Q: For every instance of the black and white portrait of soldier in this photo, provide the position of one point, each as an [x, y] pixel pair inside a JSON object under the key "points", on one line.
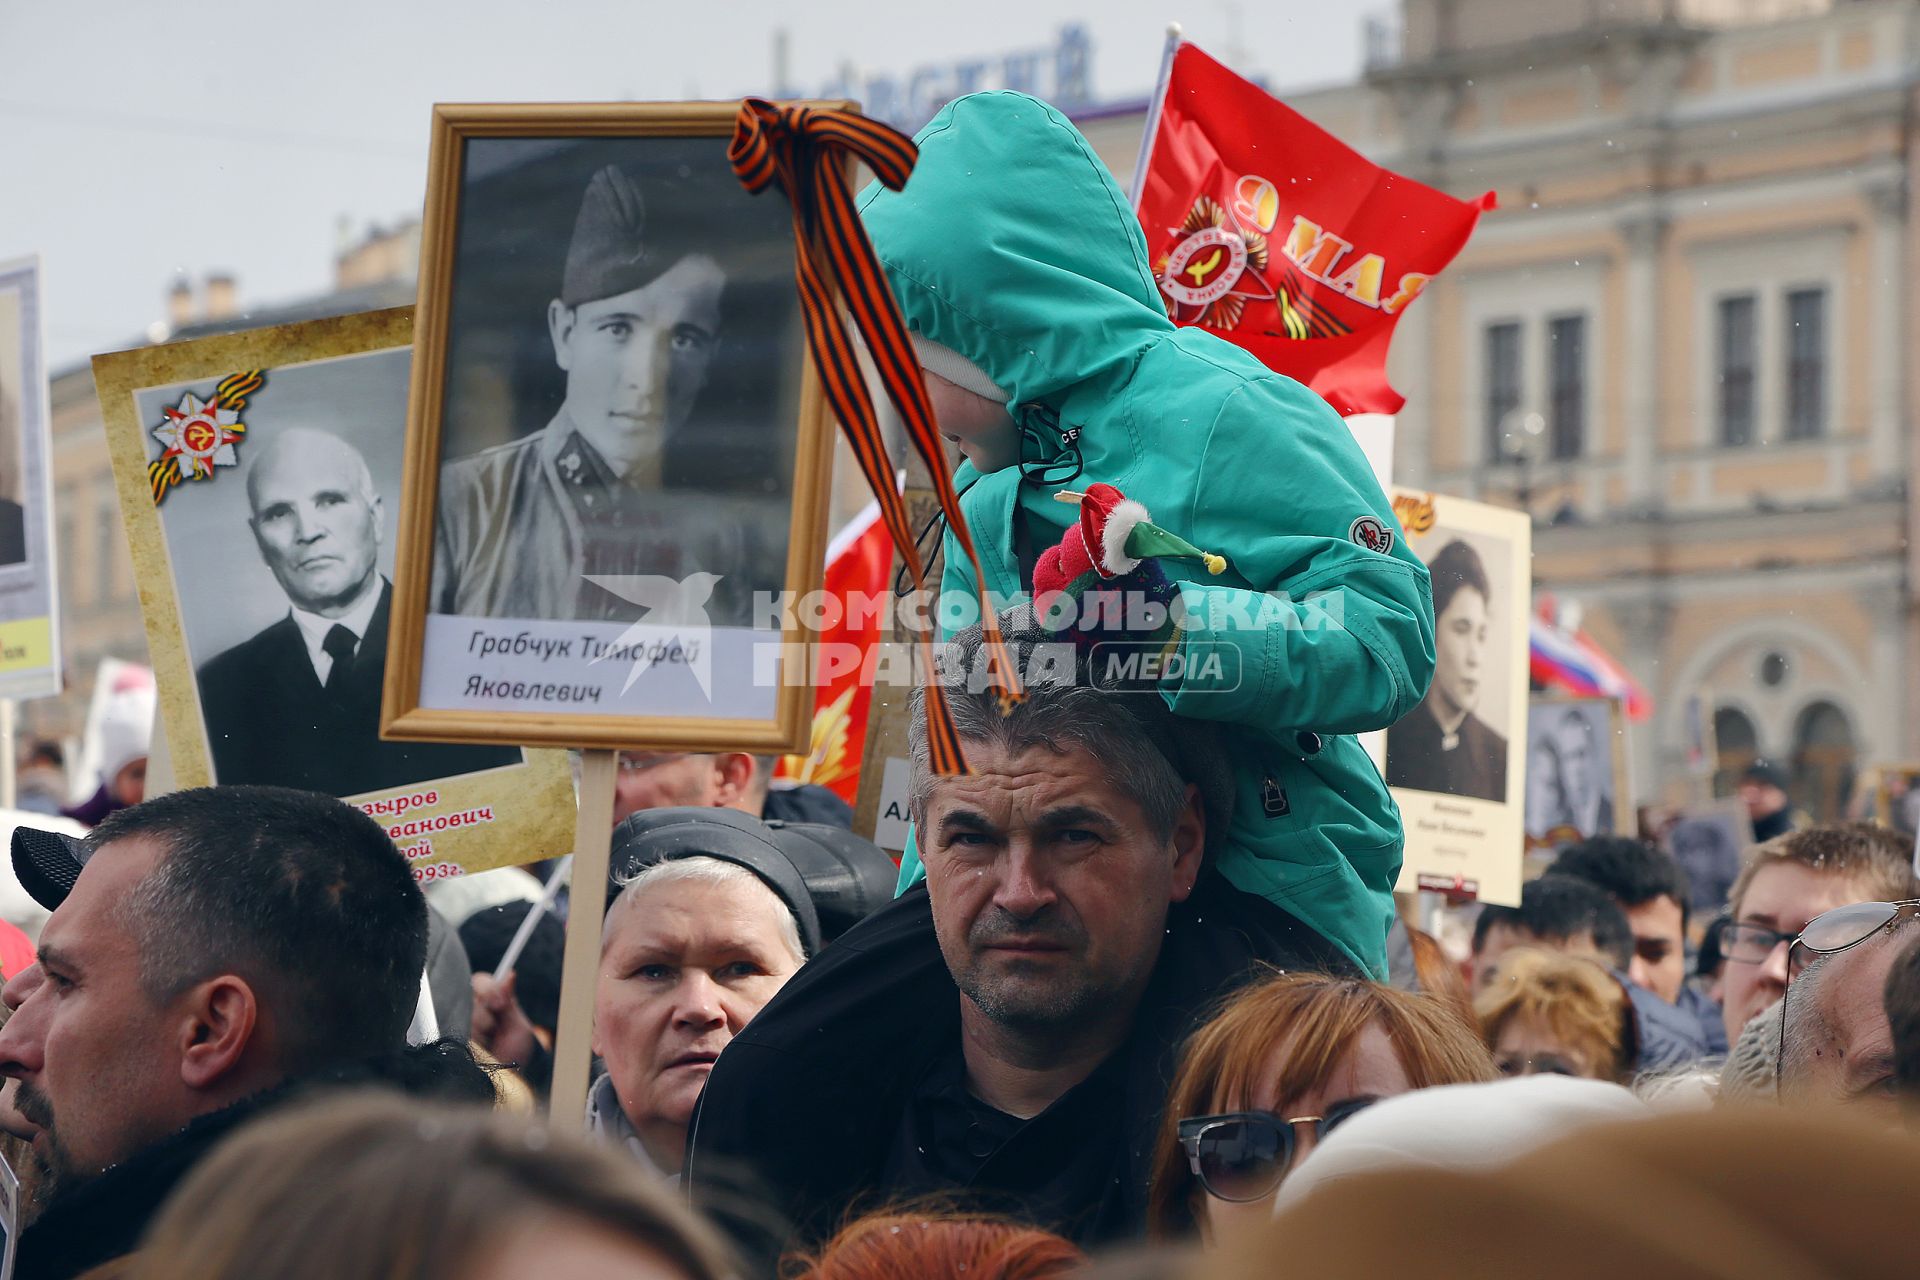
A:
{"points": [[298, 703], [637, 321], [1570, 782], [1443, 744]]}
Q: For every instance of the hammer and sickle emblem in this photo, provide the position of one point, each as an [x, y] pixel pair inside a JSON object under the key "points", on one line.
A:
{"points": [[1201, 270]]}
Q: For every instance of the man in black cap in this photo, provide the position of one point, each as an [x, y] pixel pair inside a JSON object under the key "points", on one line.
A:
{"points": [[521, 527], [207, 950], [1763, 788]]}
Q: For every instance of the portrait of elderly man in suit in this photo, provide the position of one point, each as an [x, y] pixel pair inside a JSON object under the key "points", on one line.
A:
{"points": [[535, 528], [298, 704]]}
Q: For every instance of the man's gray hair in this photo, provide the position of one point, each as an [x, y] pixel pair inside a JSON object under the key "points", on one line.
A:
{"points": [[1752, 1072], [362, 475], [1147, 752], [700, 869]]}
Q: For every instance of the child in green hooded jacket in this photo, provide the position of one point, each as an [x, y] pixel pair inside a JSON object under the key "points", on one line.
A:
{"points": [[1024, 278]]}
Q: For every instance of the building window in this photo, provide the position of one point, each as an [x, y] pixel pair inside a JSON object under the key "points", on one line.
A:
{"points": [[1806, 363], [1823, 761], [1503, 386], [1737, 746], [1567, 385], [1737, 354]]}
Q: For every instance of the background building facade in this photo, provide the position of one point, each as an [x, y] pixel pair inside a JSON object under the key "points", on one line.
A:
{"points": [[1681, 342]]}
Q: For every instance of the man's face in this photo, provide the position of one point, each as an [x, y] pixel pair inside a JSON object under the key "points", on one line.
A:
{"points": [[1502, 938], [683, 967], [1049, 890], [1762, 799], [1839, 1045], [1576, 763], [1782, 896], [97, 1068], [1460, 641], [1659, 947], [313, 521], [663, 780], [636, 362]]}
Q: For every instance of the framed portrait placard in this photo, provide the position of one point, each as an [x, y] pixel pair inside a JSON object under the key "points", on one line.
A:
{"points": [[29, 617], [617, 455], [1578, 784], [1453, 762], [257, 478]]}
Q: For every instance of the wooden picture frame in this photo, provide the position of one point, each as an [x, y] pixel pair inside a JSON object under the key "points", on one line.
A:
{"points": [[30, 648], [468, 562], [1894, 789], [256, 477], [1616, 811]]}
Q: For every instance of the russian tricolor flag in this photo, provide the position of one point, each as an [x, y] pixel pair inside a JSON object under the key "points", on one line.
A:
{"points": [[1573, 662]]}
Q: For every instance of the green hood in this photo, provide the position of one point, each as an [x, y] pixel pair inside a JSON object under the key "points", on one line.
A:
{"points": [[1013, 245]]}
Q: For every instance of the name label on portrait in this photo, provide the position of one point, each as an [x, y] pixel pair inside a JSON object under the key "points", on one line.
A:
{"points": [[595, 668]]}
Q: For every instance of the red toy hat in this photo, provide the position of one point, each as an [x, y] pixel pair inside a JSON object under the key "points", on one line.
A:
{"points": [[1114, 533]]}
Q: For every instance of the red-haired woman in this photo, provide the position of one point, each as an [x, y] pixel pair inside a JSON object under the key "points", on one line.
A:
{"points": [[1283, 1062]]}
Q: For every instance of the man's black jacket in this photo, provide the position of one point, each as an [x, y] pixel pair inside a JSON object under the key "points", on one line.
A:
{"points": [[806, 1102], [104, 1217]]}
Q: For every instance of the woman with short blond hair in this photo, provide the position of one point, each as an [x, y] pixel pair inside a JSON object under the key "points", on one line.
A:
{"points": [[1546, 1013]]}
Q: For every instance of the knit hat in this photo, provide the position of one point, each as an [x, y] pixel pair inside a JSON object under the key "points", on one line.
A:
{"points": [[956, 368]]}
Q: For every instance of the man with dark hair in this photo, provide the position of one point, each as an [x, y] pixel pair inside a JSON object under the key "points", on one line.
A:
{"points": [[1651, 888], [1556, 913], [1570, 915], [206, 948], [1005, 1030], [1763, 789]]}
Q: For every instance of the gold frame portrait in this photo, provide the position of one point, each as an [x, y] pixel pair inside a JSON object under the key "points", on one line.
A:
{"points": [[404, 715], [449, 825]]}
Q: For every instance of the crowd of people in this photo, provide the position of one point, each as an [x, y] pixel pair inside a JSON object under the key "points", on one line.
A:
{"points": [[1139, 1001]]}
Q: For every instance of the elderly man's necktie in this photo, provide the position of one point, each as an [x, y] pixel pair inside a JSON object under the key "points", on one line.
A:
{"points": [[339, 645]]}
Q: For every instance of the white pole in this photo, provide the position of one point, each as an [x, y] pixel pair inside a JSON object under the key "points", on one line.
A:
{"points": [[561, 875], [9, 781], [1153, 114]]}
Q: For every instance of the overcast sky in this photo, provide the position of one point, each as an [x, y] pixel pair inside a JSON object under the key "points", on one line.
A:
{"points": [[142, 140]]}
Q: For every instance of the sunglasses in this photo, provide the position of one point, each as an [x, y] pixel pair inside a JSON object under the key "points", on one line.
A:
{"points": [[1848, 926], [1245, 1155]]}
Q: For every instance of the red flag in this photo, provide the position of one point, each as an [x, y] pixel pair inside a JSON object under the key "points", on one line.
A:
{"points": [[1268, 230], [858, 561]]}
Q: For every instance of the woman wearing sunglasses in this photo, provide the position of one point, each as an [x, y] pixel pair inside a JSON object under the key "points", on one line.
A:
{"points": [[1282, 1064]]}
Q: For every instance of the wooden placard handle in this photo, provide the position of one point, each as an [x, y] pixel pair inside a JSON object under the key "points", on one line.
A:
{"points": [[573, 1039]]}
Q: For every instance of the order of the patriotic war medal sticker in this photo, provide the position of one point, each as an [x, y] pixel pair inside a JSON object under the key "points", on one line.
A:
{"points": [[197, 436]]}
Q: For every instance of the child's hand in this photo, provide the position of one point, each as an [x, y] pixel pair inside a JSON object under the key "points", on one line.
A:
{"points": [[1112, 603]]}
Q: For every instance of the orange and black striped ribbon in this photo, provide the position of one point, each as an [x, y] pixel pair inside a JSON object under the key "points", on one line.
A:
{"points": [[803, 151]]}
